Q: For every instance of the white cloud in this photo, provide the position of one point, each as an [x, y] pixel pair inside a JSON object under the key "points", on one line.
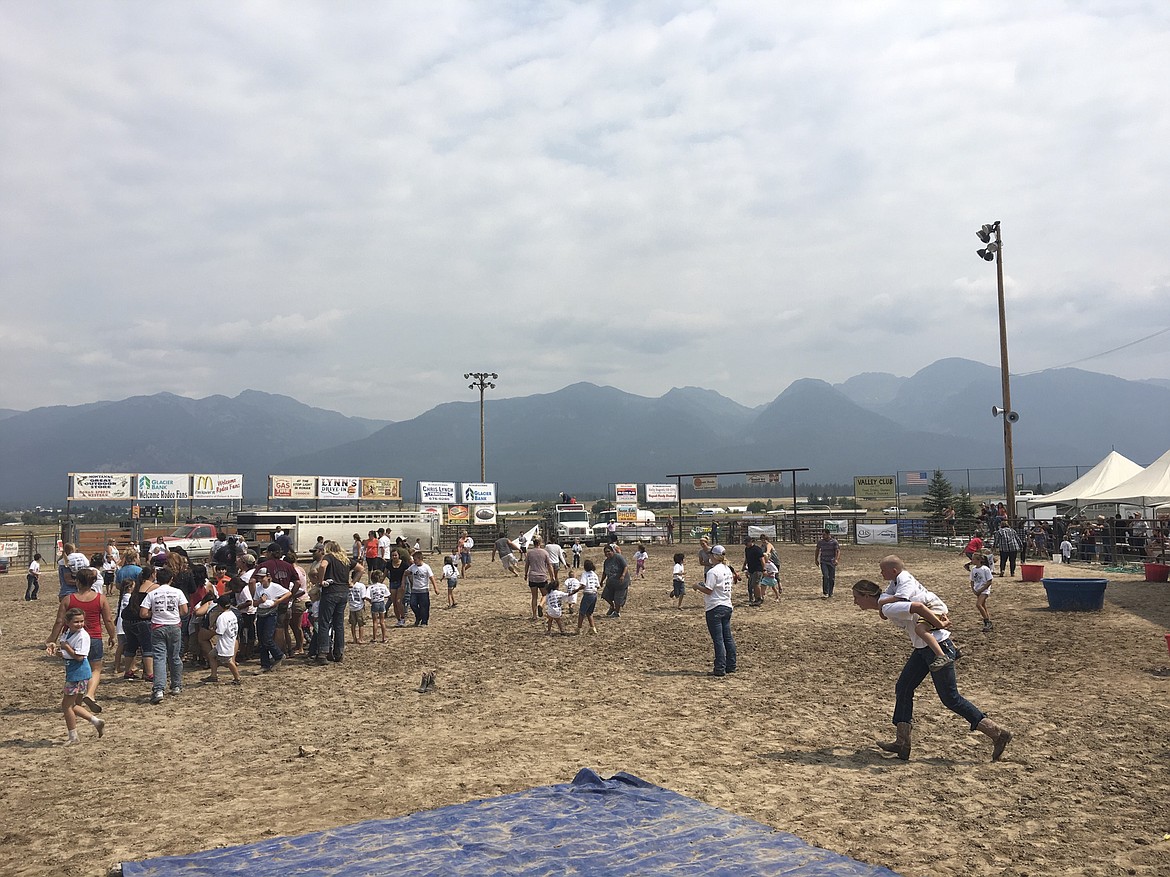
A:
{"points": [[391, 187]]}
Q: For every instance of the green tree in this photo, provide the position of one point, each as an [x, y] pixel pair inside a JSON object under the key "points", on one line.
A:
{"points": [[600, 506], [939, 495], [965, 511], [756, 508]]}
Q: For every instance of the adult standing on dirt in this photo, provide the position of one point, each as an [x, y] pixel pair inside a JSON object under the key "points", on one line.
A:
{"points": [[827, 554], [906, 615], [615, 580], [753, 565], [466, 543], [334, 568], [538, 572], [716, 591], [706, 560], [1007, 542]]}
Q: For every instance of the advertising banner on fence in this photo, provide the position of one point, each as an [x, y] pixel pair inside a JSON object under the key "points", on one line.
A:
{"points": [[152, 486], [437, 492], [100, 485], [627, 513], [837, 528], [769, 531], [661, 493], [458, 514], [433, 510], [478, 493], [763, 478], [484, 514], [877, 534], [873, 487], [9, 549], [330, 487], [381, 488], [292, 487], [705, 482], [625, 493], [217, 486]]}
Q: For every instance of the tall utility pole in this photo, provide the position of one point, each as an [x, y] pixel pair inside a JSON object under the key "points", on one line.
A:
{"points": [[481, 381], [994, 250]]}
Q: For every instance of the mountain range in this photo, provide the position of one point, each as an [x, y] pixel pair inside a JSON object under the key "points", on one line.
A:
{"points": [[584, 437]]}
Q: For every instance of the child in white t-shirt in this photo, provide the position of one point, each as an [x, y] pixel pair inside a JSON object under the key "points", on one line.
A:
{"points": [[590, 585], [572, 587], [552, 600], [227, 632], [73, 646], [640, 557], [359, 594], [379, 597], [981, 575], [678, 578], [770, 581], [33, 581], [1066, 551], [451, 574]]}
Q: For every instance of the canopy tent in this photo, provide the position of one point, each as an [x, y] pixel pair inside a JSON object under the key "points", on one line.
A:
{"points": [[1115, 469], [1149, 487]]}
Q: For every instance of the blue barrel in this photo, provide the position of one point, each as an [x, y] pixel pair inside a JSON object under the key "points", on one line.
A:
{"points": [[1075, 595]]}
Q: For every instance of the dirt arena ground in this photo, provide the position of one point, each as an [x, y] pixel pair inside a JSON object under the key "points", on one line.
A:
{"points": [[1083, 789]]}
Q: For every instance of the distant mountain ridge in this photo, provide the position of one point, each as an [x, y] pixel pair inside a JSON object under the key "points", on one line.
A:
{"points": [[584, 437]]}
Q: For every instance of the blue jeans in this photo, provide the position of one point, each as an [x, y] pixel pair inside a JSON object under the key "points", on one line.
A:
{"points": [[420, 605], [719, 626], [66, 588], [166, 642], [828, 578], [266, 630], [945, 685], [331, 624]]}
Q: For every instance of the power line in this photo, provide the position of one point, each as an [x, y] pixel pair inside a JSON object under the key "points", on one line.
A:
{"points": [[1097, 355]]}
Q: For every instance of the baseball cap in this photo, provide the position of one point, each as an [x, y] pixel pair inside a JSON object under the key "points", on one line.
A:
{"points": [[77, 563], [263, 571], [718, 549]]}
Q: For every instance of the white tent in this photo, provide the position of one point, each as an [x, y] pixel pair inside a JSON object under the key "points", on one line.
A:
{"points": [[1110, 472], [1149, 487]]}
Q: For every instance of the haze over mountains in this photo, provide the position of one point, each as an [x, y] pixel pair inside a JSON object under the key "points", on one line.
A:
{"points": [[584, 437]]}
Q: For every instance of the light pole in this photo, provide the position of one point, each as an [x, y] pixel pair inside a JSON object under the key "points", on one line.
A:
{"points": [[481, 381], [993, 251]]}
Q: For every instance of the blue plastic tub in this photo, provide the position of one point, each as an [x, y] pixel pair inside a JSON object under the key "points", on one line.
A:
{"points": [[1075, 595]]}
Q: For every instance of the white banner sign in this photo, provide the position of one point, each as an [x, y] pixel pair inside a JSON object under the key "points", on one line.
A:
{"points": [[484, 514], [437, 492], [661, 493], [837, 527], [769, 531], [217, 486], [338, 488], [151, 486], [877, 534], [100, 485], [705, 482], [478, 493], [9, 549], [625, 493], [763, 478], [292, 487]]}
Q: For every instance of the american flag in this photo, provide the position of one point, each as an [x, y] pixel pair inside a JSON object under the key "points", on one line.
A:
{"points": [[916, 478]]}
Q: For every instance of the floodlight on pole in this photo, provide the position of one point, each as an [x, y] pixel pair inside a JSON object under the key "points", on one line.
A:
{"points": [[481, 381], [993, 252]]}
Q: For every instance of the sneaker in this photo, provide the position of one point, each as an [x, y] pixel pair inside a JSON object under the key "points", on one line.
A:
{"points": [[99, 726], [90, 704], [72, 741], [176, 690], [716, 675], [987, 625], [276, 664], [401, 622], [940, 663], [236, 682], [156, 696], [129, 676], [149, 678], [211, 680]]}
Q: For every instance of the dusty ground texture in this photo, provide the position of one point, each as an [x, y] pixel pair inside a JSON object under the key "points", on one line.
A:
{"points": [[789, 741]]}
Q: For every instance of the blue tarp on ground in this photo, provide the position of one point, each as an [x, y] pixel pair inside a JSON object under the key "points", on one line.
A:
{"points": [[618, 826]]}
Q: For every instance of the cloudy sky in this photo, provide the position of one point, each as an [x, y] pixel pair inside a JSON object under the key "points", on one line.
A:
{"points": [[355, 203]]}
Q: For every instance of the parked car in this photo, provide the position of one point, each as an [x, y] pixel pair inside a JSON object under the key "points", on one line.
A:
{"points": [[895, 510]]}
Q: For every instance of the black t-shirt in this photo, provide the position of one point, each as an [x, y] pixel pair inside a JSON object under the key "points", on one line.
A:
{"points": [[753, 556]]}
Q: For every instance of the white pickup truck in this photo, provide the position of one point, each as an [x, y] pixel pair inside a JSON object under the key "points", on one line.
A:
{"points": [[195, 539]]}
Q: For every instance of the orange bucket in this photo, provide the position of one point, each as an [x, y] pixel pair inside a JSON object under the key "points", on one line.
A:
{"points": [[1031, 572]]}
